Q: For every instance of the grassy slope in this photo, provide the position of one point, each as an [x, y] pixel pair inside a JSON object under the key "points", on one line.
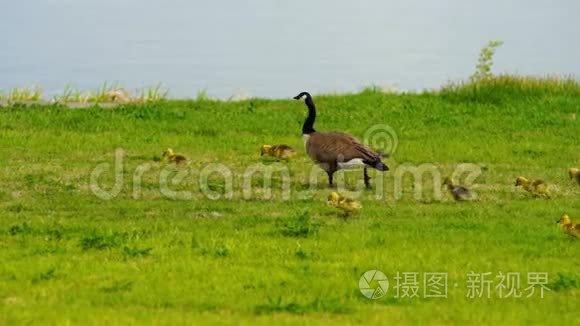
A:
{"points": [[69, 256]]}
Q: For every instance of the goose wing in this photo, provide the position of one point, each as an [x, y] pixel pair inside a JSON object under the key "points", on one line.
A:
{"points": [[338, 146]]}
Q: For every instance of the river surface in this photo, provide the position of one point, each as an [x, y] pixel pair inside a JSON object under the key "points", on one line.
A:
{"points": [[278, 48]]}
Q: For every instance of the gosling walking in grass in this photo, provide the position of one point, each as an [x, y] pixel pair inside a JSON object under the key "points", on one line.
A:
{"points": [[347, 205], [536, 187], [574, 173], [569, 227], [280, 152], [173, 157], [459, 193]]}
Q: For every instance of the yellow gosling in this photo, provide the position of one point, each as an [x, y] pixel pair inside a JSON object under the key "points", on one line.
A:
{"points": [[347, 205], [574, 173], [280, 152], [265, 150], [459, 193], [524, 183], [172, 157], [541, 188], [536, 187], [569, 227]]}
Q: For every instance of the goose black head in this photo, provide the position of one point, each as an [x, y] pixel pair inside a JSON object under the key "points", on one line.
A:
{"points": [[307, 100], [299, 96]]}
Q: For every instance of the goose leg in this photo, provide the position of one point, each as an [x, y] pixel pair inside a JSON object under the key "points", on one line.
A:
{"points": [[330, 169], [367, 178], [330, 175]]}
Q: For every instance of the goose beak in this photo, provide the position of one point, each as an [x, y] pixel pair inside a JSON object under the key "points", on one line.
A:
{"points": [[297, 97]]}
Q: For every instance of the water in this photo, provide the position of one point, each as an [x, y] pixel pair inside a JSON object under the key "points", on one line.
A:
{"points": [[278, 48]]}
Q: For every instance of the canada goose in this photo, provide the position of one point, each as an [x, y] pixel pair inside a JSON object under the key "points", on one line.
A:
{"points": [[333, 151], [536, 187], [281, 152], [172, 157], [459, 193], [574, 173], [347, 205], [571, 228]]}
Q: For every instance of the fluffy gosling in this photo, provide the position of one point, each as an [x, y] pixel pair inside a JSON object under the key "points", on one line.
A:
{"points": [[569, 227], [536, 187], [459, 192], [347, 205], [574, 173], [280, 152], [172, 157]]}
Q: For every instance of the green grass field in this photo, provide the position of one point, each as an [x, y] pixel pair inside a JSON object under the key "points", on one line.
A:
{"points": [[146, 256]]}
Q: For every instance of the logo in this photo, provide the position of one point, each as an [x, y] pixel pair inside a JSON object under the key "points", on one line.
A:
{"points": [[373, 284]]}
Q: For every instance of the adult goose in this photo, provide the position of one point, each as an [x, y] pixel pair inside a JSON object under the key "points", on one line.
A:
{"points": [[333, 151]]}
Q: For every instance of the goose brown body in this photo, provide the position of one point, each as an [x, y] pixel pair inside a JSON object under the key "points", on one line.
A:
{"points": [[333, 151], [326, 147]]}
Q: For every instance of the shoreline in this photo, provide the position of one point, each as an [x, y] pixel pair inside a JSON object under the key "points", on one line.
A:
{"points": [[489, 86]]}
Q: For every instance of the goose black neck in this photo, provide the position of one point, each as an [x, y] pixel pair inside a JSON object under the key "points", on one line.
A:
{"points": [[308, 126]]}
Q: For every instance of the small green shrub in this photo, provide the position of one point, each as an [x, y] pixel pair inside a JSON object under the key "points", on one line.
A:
{"points": [[45, 276], [565, 282], [485, 61], [300, 227], [134, 252], [100, 241], [118, 286]]}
